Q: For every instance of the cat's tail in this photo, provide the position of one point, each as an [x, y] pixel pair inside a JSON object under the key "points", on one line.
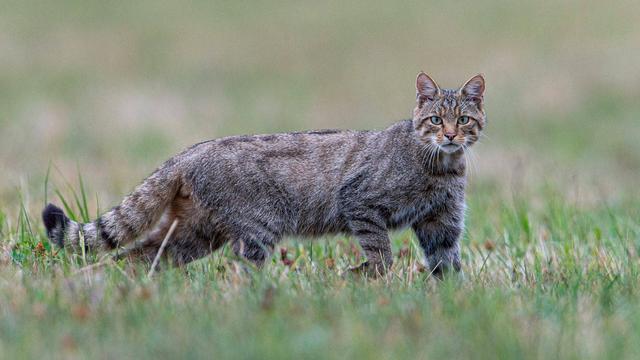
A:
{"points": [[137, 213]]}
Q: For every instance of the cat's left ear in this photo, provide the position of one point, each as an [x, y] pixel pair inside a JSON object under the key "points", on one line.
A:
{"points": [[473, 89]]}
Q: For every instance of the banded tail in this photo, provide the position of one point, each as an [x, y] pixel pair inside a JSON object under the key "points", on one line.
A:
{"points": [[137, 213]]}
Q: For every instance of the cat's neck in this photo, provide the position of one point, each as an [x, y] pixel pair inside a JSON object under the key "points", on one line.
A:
{"points": [[441, 163]]}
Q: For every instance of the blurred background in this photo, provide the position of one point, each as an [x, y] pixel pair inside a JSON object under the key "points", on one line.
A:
{"points": [[112, 89]]}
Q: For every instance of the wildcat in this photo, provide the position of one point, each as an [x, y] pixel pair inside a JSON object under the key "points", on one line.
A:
{"points": [[252, 191]]}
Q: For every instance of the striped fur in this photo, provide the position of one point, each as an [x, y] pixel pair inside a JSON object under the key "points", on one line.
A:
{"points": [[252, 191]]}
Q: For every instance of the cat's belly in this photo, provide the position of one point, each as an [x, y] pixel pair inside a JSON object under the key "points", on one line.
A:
{"points": [[409, 214], [318, 221]]}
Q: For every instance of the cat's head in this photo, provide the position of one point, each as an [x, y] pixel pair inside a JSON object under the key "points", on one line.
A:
{"points": [[449, 119]]}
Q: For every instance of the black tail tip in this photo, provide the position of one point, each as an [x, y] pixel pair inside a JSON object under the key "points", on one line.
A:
{"points": [[54, 218]]}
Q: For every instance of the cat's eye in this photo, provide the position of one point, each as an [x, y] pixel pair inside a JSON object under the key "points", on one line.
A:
{"points": [[436, 120], [463, 120]]}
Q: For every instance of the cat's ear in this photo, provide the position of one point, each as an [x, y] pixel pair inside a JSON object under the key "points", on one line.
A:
{"points": [[426, 89], [473, 89]]}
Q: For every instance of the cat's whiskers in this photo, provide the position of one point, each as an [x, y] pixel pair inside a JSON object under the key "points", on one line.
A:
{"points": [[435, 157], [475, 158], [424, 155], [467, 159], [470, 159], [428, 150], [429, 153]]}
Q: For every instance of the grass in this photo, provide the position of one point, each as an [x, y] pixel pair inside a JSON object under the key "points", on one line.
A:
{"points": [[109, 91]]}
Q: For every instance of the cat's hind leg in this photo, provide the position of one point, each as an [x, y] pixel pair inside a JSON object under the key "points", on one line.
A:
{"points": [[255, 241], [196, 234], [145, 251], [187, 243]]}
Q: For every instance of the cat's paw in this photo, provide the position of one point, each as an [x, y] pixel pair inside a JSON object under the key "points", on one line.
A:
{"points": [[368, 269], [441, 273]]}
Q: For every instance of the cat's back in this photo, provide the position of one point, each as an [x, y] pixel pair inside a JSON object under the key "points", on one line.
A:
{"points": [[287, 163], [244, 151]]}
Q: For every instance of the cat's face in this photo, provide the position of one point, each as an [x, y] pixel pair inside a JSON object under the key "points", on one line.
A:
{"points": [[449, 119]]}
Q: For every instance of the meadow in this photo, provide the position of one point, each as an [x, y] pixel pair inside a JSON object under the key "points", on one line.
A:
{"points": [[95, 95]]}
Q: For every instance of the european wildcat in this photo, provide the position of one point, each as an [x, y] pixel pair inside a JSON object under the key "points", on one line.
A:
{"points": [[253, 190]]}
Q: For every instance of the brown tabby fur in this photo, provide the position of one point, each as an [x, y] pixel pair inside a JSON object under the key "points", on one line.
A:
{"points": [[252, 191]]}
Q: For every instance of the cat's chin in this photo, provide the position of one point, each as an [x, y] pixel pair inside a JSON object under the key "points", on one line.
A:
{"points": [[450, 148]]}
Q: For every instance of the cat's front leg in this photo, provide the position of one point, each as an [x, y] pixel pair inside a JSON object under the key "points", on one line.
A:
{"points": [[374, 240], [440, 241]]}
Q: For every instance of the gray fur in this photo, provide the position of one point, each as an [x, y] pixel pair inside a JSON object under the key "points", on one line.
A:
{"points": [[254, 190]]}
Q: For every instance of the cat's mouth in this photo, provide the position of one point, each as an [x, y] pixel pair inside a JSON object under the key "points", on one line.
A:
{"points": [[450, 148]]}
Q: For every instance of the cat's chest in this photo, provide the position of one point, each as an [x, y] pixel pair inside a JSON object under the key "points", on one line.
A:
{"points": [[430, 201]]}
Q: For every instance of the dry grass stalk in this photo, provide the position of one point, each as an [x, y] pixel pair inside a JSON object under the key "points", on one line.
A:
{"points": [[162, 246]]}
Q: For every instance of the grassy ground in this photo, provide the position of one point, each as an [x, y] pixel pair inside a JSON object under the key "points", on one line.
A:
{"points": [[540, 281], [553, 234]]}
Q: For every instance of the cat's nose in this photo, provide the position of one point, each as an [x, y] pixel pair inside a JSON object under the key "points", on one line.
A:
{"points": [[450, 136]]}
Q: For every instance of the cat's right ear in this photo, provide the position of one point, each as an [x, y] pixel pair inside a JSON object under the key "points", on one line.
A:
{"points": [[426, 89]]}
